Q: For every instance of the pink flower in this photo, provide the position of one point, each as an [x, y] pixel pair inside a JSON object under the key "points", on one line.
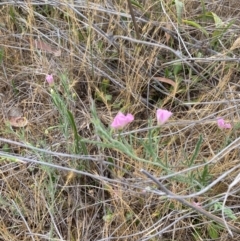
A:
{"points": [[163, 116], [222, 125], [121, 120], [49, 79], [197, 204]]}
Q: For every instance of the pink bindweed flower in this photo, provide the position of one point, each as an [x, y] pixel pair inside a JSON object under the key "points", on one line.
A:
{"points": [[197, 204], [163, 116], [222, 125], [121, 120], [49, 79]]}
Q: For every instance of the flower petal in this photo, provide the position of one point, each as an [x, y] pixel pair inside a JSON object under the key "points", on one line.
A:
{"points": [[49, 79], [121, 120], [222, 125], [227, 126], [163, 116]]}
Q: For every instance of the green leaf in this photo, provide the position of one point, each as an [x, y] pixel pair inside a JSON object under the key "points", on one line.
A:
{"points": [[196, 151], [229, 213], [196, 25], [219, 32], [177, 68], [105, 85], [77, 138], [212, 16], [129, 216], [203, 7], [204, 176], [108, 97], [213, 231], [179, 8], [6, 148], [108, 218], [1, 55], [217, 20], [237, 126], [136, 4], [12, 14]]}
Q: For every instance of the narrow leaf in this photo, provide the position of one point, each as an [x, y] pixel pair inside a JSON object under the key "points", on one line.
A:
{"points": [[179, 8], [197, 149], [196, 25]]}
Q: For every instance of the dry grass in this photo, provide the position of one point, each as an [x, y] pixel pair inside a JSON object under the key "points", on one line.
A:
{"points": [[57, 186]]}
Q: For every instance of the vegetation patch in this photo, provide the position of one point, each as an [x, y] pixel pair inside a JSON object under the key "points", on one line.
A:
{"points": [[119, 120]]}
